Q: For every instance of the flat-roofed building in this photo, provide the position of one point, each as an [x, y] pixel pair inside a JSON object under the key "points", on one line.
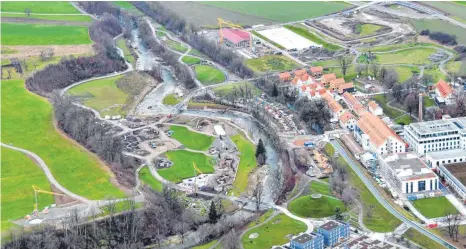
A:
{"points": [[307, 241], [374, 135], [440, 158], [334, 232], [437, 135], [455, 176], [365, 242], [407, 173]]}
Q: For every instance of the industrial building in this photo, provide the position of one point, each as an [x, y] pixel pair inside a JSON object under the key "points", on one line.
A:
{"points": [[235, 38], [374, 135], [307, 241], [437, 135], [455, 177], [406, 173]]}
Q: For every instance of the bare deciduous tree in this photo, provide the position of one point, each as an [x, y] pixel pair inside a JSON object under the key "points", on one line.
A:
{"points": [[375, 67], [257, 193], [345, 62], [230, 240], [27, 12]]}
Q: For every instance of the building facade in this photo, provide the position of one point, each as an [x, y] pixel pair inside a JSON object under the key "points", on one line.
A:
{"points": [[307, 241], [407, 173], [440, 158], [455, 177], [334, 232]]}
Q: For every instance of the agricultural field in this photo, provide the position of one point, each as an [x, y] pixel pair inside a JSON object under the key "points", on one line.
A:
{"points": [[147, 178], [246, 165], [270, 63], [18, 174], [450, 8], [434, 207], [121, 43], [59, 7], [191, 60], [71, 18], [209, 75], [415, 56], [307, 206], [35, 34], [27, 122], [183, 165], [304, 32], [366, 29], [102, 95], [191, 139], [274, 232], [171, 99], [282, 11], [435, 25], [228, 89]]}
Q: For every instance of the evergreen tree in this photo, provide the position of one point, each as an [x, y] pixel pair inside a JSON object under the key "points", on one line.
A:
{"points": [[338, 215], [275, 90], [260, 149], [213, 216]]}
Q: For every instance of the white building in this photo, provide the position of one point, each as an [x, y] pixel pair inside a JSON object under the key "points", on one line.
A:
{"points": [[445, 94], [347, 121], [455, 176], [407, 173], [437, 135], [374, 135], [375, 109], [439, 158]]}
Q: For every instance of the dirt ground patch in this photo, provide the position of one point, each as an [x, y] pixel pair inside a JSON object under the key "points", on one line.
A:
{"points": [[206, 16], [43, 21], [22, 51]]}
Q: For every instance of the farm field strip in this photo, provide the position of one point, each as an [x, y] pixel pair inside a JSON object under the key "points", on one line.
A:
{"points": [[58, 7], [77, 17]]}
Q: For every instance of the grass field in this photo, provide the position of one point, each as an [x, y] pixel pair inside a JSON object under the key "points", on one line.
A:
{"points": [[273, 232], [435, 25], [306, 206], [367, 29], [121, 43], [451, 8], [76, 18], [27, 123], [421, 239], [191, 139], [59, 7], [102, 95], [434, 207], [262, 218], [409, 56], [183, 165], [35, 34], [209, 75], [247, 163], [436, 73], [124, 4], [428, 102], [270, 63], [191, 60], [382, 101], [304, 32], [453, 66], [404, 120], [282, 11], [175, 46], [206, 246], [326, 63], [19, 173], [405, 72], [171, 99], [230, 88], [320, 188], [146, 178]]}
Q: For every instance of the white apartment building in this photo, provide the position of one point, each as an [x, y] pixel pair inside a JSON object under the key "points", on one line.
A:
{"points": [[407, 173], [440, 158], [437, 135]]}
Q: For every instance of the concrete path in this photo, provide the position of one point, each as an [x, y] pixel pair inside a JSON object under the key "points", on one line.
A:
{"points": [[458, 205]]}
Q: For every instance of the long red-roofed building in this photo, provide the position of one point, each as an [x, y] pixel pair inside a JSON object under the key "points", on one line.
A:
{"points": [[445, 94], [235, 37]]}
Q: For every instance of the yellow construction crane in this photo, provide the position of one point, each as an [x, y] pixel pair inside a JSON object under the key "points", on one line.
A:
{"points": [[222, 22], [196, 169], [39, 190]]}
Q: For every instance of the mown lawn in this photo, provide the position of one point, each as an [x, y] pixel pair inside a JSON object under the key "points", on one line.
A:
{"points": [[206, 246], [306, 206], [283, 11], [58, 7], [434, 207], [405, 72], [382, 101], [273, 232], [102, 95], [262, 218], [171, 99], [209, 75], [146, 177], [421, 239], [27, 123], [124, 4], [304, 32], [428, 102], [320, 188], [191, 139], [191, 60], [230, 88], [246, 165], [404, 120], [19, 173], [183, 165], [121, 43], [76, 18], [416, 56], [270, 63], [36, 34]]}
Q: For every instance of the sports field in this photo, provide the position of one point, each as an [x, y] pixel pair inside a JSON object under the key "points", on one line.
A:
{"points": [[183, 165], [35, 34], [270, 63], [19, 173], [59, 7], [102, 95], [209, 75], [27, 123], [289, 39], [282, 11], [306, 206], [304, 32], [77, 18], [246, 165], [191, 139]]}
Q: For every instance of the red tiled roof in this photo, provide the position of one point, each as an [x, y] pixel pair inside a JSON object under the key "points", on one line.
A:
{"points": [[235, 36], [329, 77], [300, 72], [284, 76], [332, 103], [344, 86], [295, 81], [444, 88], [351, 100], [312, 92], [346, 116], [376, 129], [322, 91], [303, 88], [304, 77], [373, 105], [318, 69]]}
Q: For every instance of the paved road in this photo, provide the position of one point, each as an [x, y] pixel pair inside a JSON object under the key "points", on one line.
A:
{"points": [[384, 202]]}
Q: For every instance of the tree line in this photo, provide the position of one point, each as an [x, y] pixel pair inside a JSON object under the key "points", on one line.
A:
{"points": [[189, 33], [71, 69], [441, 37]]}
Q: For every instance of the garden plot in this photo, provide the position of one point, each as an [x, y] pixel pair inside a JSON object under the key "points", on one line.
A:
{"points": [[288, 39]]}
